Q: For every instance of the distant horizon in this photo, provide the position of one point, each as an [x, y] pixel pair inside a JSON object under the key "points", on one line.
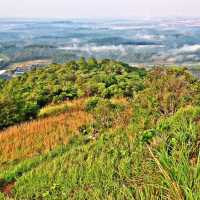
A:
{"points": [[101, 18]]}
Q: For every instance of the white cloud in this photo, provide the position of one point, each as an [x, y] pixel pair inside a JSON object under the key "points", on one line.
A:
{"points": [[2, 71], [89, 48], [189, 48]]}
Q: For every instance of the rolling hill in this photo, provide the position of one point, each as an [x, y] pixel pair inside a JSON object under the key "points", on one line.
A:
{"points": [[93, 129]]}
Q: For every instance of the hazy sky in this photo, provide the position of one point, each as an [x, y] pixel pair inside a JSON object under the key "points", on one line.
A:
{"points": [[98, 8]]}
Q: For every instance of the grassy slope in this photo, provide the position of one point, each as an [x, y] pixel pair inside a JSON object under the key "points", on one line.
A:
{"points": [[35, 138], [124, 161], [40, 136], [116, 165]]}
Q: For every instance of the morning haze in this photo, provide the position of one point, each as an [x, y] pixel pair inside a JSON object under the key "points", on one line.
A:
{"points": [[97, 8]]}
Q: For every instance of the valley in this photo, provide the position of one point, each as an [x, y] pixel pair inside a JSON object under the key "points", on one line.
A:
{"points": [[152, 41]]}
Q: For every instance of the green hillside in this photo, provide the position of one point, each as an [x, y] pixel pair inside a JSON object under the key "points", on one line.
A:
{"points": [[100, 130]]}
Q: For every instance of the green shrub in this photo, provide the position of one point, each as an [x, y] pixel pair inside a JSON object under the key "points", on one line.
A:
{"points": [[92, 103], [13, 111], [148, 135]]}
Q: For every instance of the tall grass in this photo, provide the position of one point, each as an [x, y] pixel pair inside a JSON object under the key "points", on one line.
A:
{"points": [[40, 136], [115, 165]]}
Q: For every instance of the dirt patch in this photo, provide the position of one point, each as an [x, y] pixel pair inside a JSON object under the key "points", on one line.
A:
{"points": [[6, 188]]}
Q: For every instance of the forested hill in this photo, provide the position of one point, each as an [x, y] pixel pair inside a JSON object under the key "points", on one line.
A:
{"points": [[93, 129], [23, 96]]}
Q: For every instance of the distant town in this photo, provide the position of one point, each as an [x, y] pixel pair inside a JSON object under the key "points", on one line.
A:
{"points": [[21, 68]]}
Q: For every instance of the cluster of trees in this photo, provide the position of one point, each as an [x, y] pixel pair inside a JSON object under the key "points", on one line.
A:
{"points": [[23, 96]]}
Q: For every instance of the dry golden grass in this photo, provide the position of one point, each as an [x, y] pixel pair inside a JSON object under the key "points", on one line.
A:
{"points": [[122, 118], [39, 136]]}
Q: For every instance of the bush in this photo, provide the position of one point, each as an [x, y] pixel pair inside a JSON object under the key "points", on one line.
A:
{"points": [[148, 135], [14, 111], [91, 104]]}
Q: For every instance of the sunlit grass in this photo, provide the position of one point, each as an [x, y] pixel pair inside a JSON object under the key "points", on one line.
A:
{"points": [[52, 110], [39, 136]]}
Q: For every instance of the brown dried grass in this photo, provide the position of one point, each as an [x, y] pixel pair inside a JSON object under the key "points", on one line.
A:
{"points": [[42, 135]]}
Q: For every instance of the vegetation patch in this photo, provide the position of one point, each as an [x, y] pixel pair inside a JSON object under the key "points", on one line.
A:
{"points": [[100, 130], [51, 110]]}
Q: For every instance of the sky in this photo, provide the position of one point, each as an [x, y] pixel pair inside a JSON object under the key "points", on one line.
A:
{"points": [[98, 8]]}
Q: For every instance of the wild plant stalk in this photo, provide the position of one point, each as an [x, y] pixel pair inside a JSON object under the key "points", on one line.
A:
{"points": [[175, 188]]}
